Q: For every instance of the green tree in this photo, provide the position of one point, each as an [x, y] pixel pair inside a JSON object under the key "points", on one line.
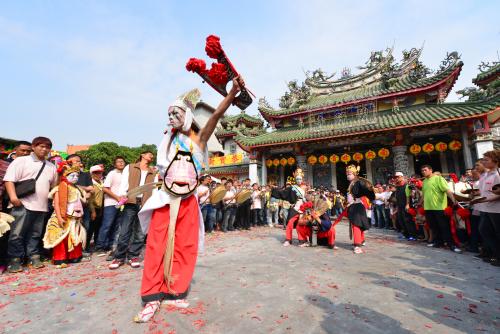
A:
{"points": [[105, 153]]}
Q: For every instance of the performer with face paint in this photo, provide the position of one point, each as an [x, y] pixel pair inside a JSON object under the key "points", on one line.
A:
{"points": [[295, 195], [65, 233], [172, 215], [360, 192]]}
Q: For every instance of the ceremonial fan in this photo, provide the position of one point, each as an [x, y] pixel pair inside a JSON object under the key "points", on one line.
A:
{"points": [[220, 73]]}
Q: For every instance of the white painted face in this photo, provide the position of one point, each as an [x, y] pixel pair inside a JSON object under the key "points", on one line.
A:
{"points": [[176, 117], [350, 176], [72, 178], [298, 179]]}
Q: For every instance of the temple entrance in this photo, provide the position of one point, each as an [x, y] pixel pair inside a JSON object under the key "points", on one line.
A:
{"points": [[322, 175], [427, 159]]}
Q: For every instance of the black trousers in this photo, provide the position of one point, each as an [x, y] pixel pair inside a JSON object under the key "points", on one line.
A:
{"points": [[407, 225], [474, 232], [243, 215], [490, 231], [25, 232], [440, 226], [94, 227]]}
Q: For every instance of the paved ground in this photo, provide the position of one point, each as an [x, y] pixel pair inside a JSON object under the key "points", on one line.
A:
{"points": [[248, 283]]}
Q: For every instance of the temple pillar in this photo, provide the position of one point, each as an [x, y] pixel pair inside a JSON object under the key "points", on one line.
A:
{"points": [[411, 164], [282, 176], [369, 172], [466, 148], [264, 170], [253, 172], [333, 170], [302, 163], [400, 159], [443, 162]]}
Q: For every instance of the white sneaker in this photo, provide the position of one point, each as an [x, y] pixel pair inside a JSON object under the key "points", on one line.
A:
{"points": [[179, 303], [358, 250], [305, 244], [286, 243]]}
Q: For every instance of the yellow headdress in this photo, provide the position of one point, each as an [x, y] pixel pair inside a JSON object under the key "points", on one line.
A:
{"points": [[298, 172], [352, 169], [65, 169]]}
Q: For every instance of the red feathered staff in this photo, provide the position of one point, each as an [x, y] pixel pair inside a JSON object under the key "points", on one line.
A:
{"points": [[220, 73]]}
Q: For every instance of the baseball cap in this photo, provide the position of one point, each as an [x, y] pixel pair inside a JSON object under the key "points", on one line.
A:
{"points": [[96, 168], [398, 174]]}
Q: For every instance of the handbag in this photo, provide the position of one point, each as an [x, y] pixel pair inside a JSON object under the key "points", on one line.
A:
{"points": [[28, 187]]}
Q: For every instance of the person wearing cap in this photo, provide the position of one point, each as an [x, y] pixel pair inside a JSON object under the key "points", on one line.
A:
{"points": [[96, 202]]}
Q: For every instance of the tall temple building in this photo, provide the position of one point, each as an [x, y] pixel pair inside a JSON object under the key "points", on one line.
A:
{"points": [[390, 117]]}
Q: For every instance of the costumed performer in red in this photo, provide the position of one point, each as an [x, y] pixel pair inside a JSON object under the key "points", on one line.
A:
{"points": [[172, 216], [360, 192], [295, 195]]}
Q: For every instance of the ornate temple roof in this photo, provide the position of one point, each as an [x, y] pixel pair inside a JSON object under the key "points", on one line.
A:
{"points": [[246, 124], [488, 73], [381, 78], [406, 117]]}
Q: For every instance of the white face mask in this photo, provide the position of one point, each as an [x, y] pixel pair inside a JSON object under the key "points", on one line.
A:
{"points": [[72, 178], [176, 117], [350, 177], [298, 179]]}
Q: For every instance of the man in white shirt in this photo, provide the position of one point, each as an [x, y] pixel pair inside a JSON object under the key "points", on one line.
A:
{"points": [[256, 205], [207, 209], [131, 237], [111, 214], [229, 211], [489, 205], [31, 209]]}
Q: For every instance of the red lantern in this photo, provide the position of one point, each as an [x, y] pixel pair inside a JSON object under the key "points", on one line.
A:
{"points": [[415, 149], [428, 148], [323, 159], [291, 161], [383, 153], [334, 158], [312, 160], [283, 162], [455, 145], [357, 157], [345, 158], [441, 147], [276, 162], [370, 155]]}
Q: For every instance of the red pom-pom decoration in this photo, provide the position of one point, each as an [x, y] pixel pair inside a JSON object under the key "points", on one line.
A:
{"points": [[213, 47], [454, 177], [196, 65], [421, 211], [218, 74], [305, 206], [60, 166], [463, 213], [412, 212], [448, 211]]}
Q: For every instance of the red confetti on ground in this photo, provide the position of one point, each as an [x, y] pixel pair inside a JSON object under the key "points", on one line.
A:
{"points": [[199, 323], [9, 279], [460, 295], [440, 296], [114, 331], [3, 305], [256, 318], [91, 294], [27, 290], [428, 325], [333, 286]]}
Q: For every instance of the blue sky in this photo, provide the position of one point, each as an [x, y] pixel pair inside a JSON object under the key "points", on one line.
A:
{"points": [[82, 72]]}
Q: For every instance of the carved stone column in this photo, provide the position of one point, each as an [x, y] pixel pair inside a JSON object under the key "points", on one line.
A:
{"points": [[400, 159], [302, 163]]}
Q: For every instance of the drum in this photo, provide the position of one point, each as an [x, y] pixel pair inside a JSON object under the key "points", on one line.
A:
{"points": [[243, 195], [460, 190], [217, 194]]}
